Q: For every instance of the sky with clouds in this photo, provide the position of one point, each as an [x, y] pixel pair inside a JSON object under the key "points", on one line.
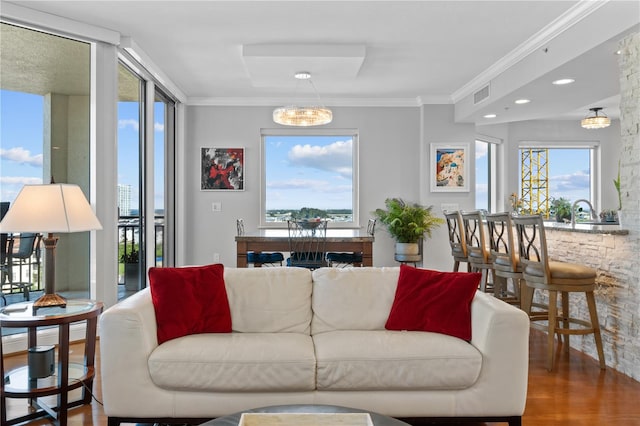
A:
{"points": [[303, 171], [21, 144]]}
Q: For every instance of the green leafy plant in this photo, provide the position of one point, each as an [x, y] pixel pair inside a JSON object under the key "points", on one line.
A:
{"points": [[616, 183], [131, 257], [407, 222], [561, 208]]}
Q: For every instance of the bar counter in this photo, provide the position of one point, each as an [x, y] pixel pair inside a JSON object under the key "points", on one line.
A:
{"points": [[588, 228]]}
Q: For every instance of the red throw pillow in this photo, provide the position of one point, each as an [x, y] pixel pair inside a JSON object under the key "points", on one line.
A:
{"points": [[433, 301], [189, 300]]}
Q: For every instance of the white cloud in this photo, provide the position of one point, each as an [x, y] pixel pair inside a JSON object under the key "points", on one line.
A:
{"points": [[309, 185], [20, 180], [568, 182], [123, 124], [21, 155], [158, 127], [481, 150], [336, 157]]}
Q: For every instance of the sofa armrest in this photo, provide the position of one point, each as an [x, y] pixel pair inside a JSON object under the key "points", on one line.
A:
{"points": [[127, 338], [501, 333]]}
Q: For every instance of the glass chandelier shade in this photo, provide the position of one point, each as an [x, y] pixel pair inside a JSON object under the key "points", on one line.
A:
{"points": [[595, 121], [303, 116]]}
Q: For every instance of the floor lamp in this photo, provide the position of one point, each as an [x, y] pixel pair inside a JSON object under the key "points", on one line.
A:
{"points": [[50, 208]]}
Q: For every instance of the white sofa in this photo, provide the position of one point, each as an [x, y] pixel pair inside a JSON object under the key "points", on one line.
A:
{"points": [[302, 337]]}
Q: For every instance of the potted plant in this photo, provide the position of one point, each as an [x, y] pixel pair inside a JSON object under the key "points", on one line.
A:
{"points": [[608, 215], [561, 209], [130, 260], [407, 223]]}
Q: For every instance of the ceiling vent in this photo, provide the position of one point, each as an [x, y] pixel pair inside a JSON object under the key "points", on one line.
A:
{"points": [[481, 95]]}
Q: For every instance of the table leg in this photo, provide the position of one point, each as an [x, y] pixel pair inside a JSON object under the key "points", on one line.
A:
{"points": [[63, 373]]}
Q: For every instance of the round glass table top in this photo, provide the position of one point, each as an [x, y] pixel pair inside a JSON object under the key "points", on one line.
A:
{"points": [[26, 311]]}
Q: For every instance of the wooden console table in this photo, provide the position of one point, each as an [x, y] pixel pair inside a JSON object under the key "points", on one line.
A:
{"points": [[345, 240]]}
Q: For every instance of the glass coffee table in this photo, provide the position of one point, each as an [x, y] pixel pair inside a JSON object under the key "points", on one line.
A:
{"points": [[234, 419]]}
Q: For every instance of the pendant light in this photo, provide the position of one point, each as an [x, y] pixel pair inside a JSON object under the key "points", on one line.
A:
{"points": [[303, 116], [595, 121]]}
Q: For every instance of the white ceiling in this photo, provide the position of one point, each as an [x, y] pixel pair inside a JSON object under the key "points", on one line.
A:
{"points": [[378, 52]]}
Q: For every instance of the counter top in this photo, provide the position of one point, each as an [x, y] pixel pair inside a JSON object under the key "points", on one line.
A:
{"points": [[587, 228]]}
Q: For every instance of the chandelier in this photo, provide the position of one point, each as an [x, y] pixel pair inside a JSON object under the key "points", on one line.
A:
{"points": [[595, 121], [303, 116]]}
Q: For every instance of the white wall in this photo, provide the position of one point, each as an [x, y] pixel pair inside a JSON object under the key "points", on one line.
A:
{"points": [[390, 166]]}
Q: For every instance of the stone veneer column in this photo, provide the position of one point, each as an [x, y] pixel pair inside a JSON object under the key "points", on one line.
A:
{"points": [[629, 61]]}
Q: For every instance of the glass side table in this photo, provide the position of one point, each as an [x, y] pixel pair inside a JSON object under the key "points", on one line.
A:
{"points": [[67, 376]]}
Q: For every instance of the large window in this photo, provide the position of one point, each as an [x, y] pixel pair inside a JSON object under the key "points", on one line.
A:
{"points": [[309, 175], [551, 172]]}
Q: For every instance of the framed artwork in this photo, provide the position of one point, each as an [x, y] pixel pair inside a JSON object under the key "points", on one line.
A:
{"points": [[222, 169], [449, 167]]}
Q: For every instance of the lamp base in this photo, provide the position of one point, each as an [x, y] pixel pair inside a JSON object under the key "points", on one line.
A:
{"points": [[48, 300]]}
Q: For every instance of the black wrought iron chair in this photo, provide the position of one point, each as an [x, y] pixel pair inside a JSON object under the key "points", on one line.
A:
{"points": [[307, 240], [27, 255], [259, 259], [344, 259]]}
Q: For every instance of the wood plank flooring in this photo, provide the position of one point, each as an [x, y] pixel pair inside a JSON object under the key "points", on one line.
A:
{"points": [[576, 393]]}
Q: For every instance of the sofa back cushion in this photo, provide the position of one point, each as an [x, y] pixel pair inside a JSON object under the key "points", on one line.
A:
{"points": [[352, 298], [269, 300]]}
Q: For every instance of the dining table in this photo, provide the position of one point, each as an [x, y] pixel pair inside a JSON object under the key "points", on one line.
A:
{"points": [[277, 240]]}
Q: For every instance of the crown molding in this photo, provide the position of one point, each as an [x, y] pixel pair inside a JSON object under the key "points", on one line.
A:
{"points": [[565, 21]]}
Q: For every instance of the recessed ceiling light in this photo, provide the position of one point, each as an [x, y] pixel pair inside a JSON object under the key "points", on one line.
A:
{"points": [[563, 81], [490, 116], [522, 101]]}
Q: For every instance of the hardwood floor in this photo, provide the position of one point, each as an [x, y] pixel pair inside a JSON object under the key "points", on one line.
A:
{"points": [[576, 393]]}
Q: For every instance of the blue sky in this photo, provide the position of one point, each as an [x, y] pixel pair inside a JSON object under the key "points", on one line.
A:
{"points": [[304, 171], [21, 144]]}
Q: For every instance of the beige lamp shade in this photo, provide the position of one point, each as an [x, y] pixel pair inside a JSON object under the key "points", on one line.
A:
{"points": [[52, 208]]}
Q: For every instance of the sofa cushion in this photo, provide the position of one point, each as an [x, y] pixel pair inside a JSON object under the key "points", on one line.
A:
{"points": [[235, 362], [435, 301], [189, 300], [352, 298], [394, 360], [269, 300]]}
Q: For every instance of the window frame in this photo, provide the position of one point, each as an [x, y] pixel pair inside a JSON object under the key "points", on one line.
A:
{"points": [[595, 163], [353, 133]]}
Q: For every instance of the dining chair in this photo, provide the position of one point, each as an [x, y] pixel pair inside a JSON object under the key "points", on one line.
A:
{"points": [[344, 259], [26, 255], [260, 259], [555, 277], [478, 252], [457, 240], [307, 241]]}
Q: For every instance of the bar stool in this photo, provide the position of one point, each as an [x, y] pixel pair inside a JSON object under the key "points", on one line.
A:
{"points": [[505, 259], [456, 239], [478, 253], [557, 277]]}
